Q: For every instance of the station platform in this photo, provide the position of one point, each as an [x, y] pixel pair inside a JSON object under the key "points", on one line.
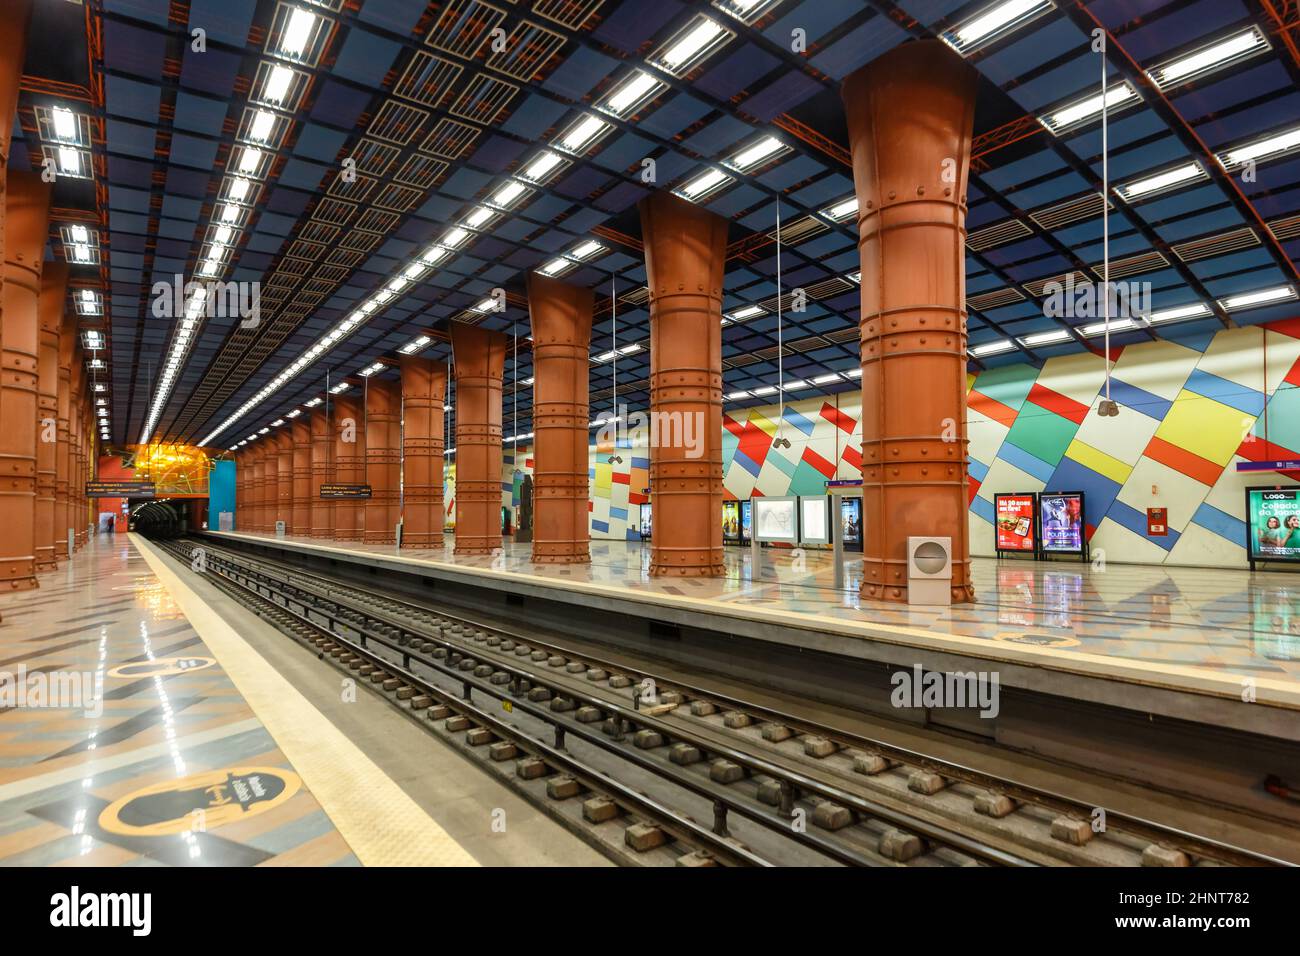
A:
{"points": [[137, 728], [1210, 646]]}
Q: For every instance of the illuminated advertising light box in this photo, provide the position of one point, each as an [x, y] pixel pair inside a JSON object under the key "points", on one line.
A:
{"points": [[646, 524], [815, 519], [1273, 524], [731, 522], [1016, 522], [776, 519], [851, 523], [1060, 522], [746, 520]]}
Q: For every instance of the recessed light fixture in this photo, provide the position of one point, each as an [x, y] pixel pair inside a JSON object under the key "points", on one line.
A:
{"points": [[277, 84], [765, 149], [340, 387], [746, 11], [313, 402], [693, 43], [1250, 300], [1084, 111], [992, 348], [1213, 56], [542, 166], [763, 390], [1099, 328], [557, 266], [1179, 312], [582, 134], [632, 93], [827, 379], [748, 312], [250, 159], [704, 184], [993, 22], [841, 210], [1161, 182], [262, 126], [1046, 338], [297, 34], [65, 124], [1270, 147], [737, 396]]}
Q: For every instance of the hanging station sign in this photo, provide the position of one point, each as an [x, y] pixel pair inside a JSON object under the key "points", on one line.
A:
{"points": [[344, 491], [120, 489]]}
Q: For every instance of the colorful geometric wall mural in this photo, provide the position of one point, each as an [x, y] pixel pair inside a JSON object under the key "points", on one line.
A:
{"points": [[1190, 409]]}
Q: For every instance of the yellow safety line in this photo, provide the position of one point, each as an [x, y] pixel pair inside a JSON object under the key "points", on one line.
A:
{"points": [[379, 821]]}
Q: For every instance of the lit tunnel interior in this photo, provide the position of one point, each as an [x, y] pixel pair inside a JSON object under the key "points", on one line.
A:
{"points": [[159, 519]]}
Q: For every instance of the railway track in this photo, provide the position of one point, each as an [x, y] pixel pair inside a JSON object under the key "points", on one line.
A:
{"points": [[779, 788]]}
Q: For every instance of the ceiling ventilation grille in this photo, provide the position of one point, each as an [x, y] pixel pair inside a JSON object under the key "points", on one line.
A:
{"points": [[993, 300], [1073, 210], [1196, 249], [1133, 265], [997, 234], [1038, 286]]}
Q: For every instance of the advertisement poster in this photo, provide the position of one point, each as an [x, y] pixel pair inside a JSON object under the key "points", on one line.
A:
{"points": [[731, 521], [1273, 515], [775, 519], [1015, 522], [1062, 522], [646, 526], [851, 518], [746, 514]]}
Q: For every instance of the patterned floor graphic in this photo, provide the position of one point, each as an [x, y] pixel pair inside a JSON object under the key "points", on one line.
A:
{"points": [[152, 758]]}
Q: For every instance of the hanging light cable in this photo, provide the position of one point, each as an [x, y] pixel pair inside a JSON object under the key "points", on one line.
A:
{"points": [[781, 441], [1106, 408]]}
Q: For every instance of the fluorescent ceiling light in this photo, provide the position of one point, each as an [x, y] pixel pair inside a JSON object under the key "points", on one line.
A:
{"points": [[586, 250], [736, 396], [277, 423], [582, 134], [826, 379], [455, 237], [538, 169], [294, 414], [296, 34], [340, 387], [312, 402], [100, 387], [753, 155], [222, 235], [748, 312], [81, 252], [229, 213], [1179, 312], [415, 345], [372, 369], [263, 123], [1209, 58], [764, 390], [1161, 181], [842, 209], [1046, 338], [1085, 110], [79, 234], [434, 254], [1248, 300], [993, 22], [263, 431], [704, 184], [69, 161], [239, 189], [556, 267], [1267, 148], [993, 348], [746, 11], [1099, 328], [65, 124], [250, 159], [507, 194], [693, 44], [794, 385], [277, 83], [632, 93]]}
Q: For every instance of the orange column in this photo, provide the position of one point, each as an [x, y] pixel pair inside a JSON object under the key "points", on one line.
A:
{"points": [[27, 222], [76, 383], [258, 488], [909, 117], [349, 466], [383, 459], [480, 357], [560, 315], [68, 355], [685, 251], [424, 392], [322, 472], [300, 433], [284, 480], [54, 290], [241, 476]]}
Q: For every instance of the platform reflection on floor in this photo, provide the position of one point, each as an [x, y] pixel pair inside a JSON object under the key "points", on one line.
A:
{"points": [[1219, 621], [168, 766]]}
